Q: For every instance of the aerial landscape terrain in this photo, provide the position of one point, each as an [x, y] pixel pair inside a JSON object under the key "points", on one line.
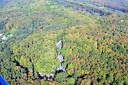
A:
{"points": [[64, 42]]}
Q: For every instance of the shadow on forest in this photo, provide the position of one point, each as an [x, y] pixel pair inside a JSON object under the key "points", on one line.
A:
{"points": [[25, 68], [2, 25], [3, 3]]}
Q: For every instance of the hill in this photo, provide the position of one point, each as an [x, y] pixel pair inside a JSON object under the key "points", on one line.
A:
{"points": [[95, 47]]}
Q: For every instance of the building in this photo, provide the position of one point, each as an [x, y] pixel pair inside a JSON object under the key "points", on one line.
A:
{"points": [[59, 44], [61, 58], [4, 38]]}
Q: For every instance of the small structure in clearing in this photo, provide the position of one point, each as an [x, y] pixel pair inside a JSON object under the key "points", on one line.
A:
{"points": [[4, 38], [0, 34], [61, 58], [61, 68], [60, 44]]}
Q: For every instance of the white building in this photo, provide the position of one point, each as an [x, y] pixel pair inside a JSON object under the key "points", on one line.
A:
{"points": [[4, 38], [0, 34], [61, 68], [122, 20], [59, 44], [61, 58]]}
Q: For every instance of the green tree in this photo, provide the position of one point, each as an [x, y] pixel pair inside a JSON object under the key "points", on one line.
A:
{"points": [[71, 81], [61, 77]]}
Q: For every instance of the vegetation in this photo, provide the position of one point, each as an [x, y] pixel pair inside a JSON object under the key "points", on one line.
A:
{"points": [[95, 49]]}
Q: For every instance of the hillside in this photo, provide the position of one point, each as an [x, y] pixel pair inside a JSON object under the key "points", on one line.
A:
{"points": [[94, 43]]}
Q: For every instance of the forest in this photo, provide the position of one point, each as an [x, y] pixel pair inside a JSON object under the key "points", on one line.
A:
{"points": [[64, 42]]}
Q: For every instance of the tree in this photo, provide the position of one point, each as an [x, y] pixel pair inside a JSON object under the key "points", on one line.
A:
{"points": [[71, 81], [61, 77]]}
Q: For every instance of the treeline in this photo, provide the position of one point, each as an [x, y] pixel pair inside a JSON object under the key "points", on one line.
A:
{"points": [[115, 5], [125, 10], [83, 7]]}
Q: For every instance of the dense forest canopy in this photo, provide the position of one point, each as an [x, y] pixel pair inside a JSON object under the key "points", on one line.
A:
{"points": [[70, 42], [120, 5]]}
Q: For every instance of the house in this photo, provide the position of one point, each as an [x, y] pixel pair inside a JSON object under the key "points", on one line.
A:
{"points": [[59, 44], [61, 58], [4, 38], [122, 20], [61, 69], [0, 34]]}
